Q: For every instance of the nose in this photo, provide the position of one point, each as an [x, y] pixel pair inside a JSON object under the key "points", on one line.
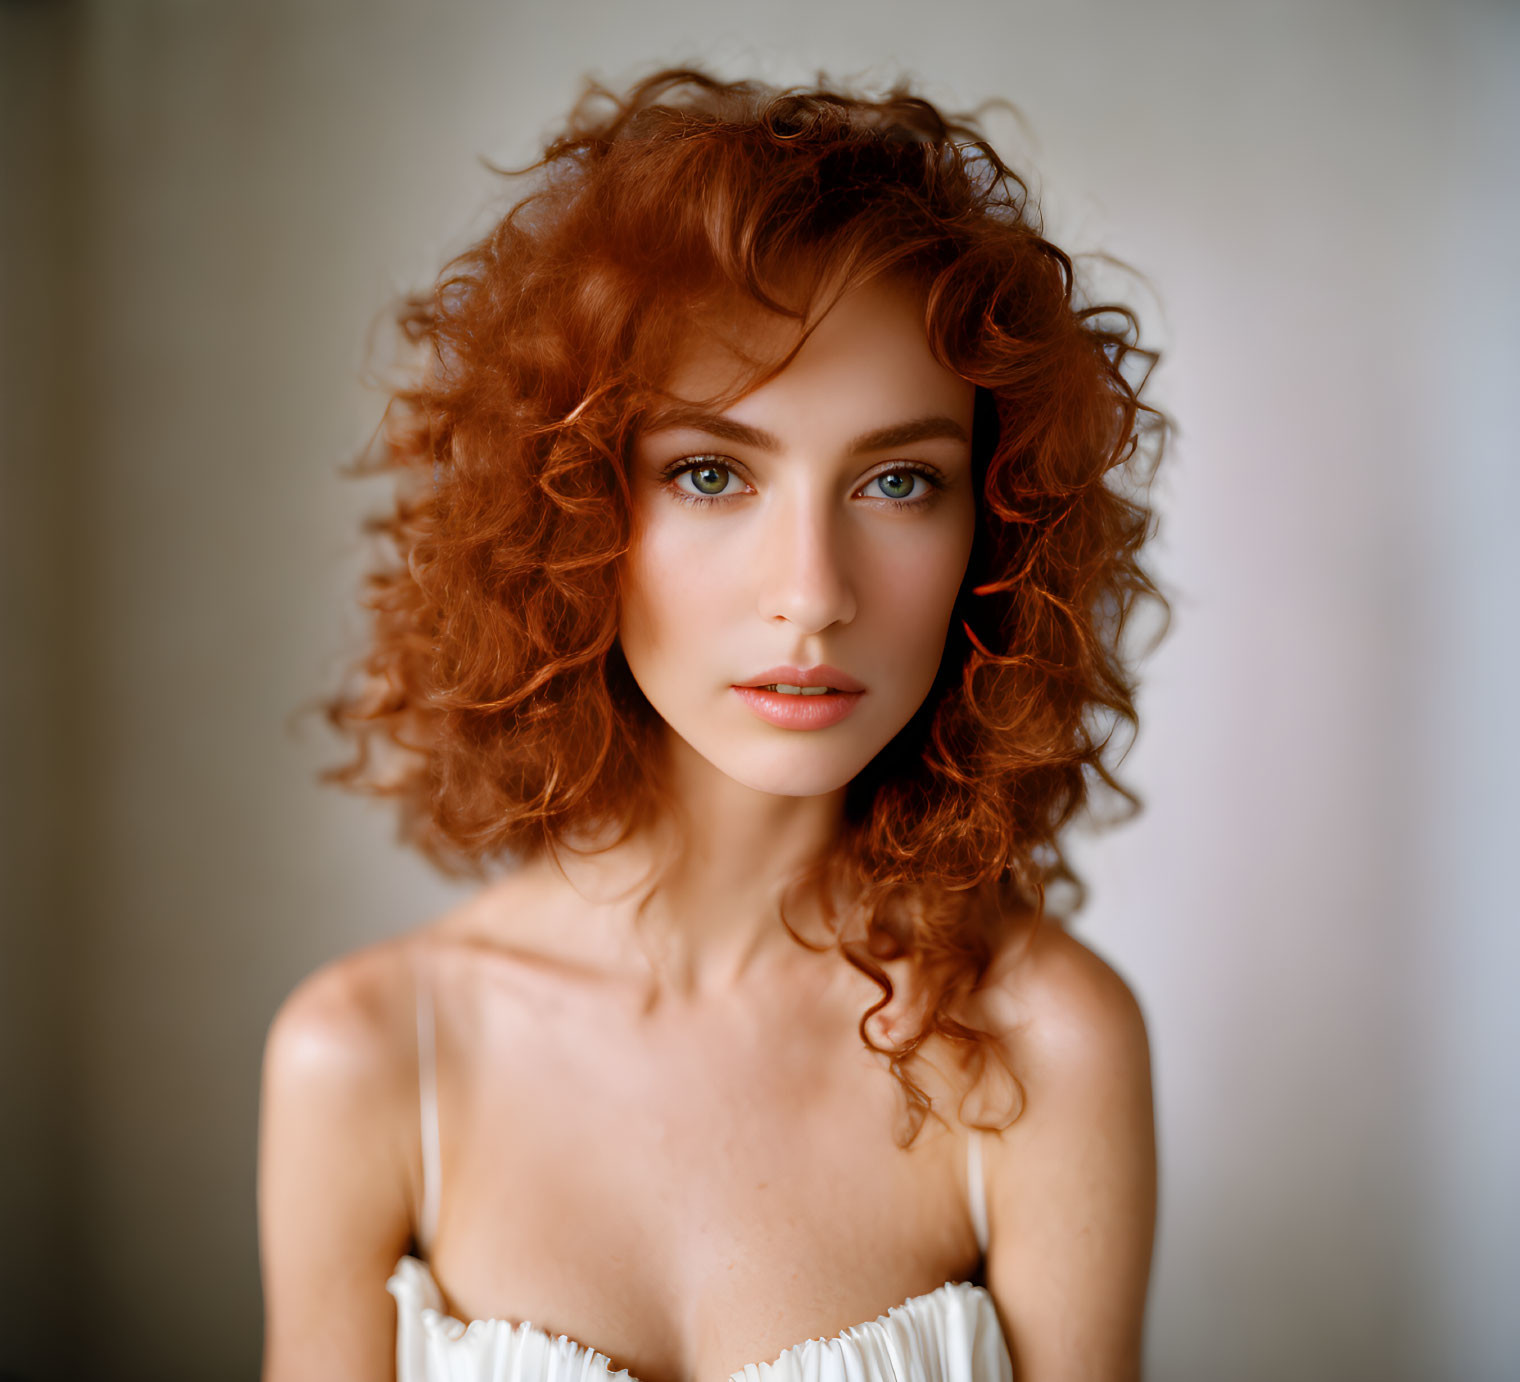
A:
{"points": [[804, 566]]}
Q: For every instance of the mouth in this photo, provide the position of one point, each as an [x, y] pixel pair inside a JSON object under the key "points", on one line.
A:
{"points": [[786, 690], [821, 680], [801, 698]]}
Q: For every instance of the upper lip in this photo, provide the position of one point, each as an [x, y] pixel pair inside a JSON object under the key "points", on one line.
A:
{"points": [[821, 675]]}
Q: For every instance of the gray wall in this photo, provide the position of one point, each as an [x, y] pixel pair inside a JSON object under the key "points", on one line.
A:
{"points": [[206, 206]]}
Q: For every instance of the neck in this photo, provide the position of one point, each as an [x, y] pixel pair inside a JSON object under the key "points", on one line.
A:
{"points": [[715, 876]]}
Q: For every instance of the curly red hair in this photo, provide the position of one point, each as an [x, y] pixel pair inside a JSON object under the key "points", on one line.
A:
{"points": [[495, 680]]}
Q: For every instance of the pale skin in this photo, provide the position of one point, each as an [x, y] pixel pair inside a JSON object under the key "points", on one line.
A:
{"points": [[669, 1142]]}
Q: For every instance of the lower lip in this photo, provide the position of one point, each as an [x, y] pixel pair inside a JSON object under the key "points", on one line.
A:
{"points": [[799, 712]]}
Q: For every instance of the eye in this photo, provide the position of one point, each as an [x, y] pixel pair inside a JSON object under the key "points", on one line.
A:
{"points": [[707, 478], [906, 485], [898, 484], [713, 479], [702, 480]]}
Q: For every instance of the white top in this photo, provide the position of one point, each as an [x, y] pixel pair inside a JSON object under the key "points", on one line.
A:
{"points": [[950, 1334]]}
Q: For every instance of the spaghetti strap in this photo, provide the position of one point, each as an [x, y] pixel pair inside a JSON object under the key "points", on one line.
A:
{"points": [[427, 1091], [976, 1188]]}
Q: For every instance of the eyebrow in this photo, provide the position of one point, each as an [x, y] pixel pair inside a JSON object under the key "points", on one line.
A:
{"points": [[931, 428]]}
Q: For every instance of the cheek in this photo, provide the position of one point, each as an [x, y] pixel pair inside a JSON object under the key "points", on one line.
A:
{"points": [[913, 589], [672, 588], [639, 583]]}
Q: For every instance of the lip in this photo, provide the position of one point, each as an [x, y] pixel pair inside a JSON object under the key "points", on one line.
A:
{"points": [[799, 712], [821, 675]]}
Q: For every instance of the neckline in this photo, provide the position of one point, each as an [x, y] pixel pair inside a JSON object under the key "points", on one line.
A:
{"points": [[455, 1328]]}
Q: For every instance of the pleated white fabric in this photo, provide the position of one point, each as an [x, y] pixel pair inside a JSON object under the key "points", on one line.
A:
{"points": [[951, 1334]]}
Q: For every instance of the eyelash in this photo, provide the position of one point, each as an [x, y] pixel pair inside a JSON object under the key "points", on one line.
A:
{"points": [[669, 475]]}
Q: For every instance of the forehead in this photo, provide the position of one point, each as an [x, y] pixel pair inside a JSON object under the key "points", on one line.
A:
{"points": [[729, 346]]}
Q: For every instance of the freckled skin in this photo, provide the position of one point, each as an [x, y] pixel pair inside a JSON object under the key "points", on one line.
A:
{"points": [[806, 558]]}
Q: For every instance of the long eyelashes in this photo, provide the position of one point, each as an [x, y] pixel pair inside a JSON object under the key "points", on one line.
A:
{"points": [[932, 477]]}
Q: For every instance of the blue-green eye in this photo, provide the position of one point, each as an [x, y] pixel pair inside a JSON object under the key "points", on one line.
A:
{"points": [[896, 484], [708, 479]]}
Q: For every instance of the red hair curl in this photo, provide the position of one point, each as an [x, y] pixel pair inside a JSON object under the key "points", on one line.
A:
{"points": [[495, 680]]}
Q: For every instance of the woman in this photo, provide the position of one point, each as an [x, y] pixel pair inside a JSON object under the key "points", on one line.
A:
{"points": [[768, 521]]}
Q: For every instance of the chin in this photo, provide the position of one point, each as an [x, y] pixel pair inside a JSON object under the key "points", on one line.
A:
{"points": [[801, 770], [796, 779]]}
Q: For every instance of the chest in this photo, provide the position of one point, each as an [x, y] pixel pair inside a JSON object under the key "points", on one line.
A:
{"points": [[690, 1195]]}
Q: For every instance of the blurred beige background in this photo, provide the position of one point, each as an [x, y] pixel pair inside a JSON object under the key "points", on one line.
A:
{"points": [[205, 207]]}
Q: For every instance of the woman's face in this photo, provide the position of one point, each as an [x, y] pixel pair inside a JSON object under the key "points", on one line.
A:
{"points": [[816, 531]]}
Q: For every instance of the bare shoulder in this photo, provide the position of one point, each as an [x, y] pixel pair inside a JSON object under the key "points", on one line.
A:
{"points": [[342, 1022], [352, 1023], [1065, 1018], [1072, 1181], [337, 1153]]}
